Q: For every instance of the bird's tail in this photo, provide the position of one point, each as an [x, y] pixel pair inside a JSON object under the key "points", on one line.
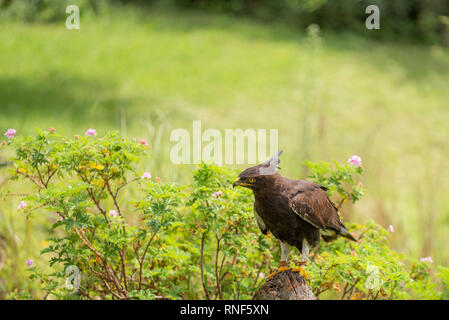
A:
{"points": [[345, 233]]}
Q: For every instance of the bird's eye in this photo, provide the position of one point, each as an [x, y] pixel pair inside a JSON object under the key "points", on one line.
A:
{"points": [[251, 180]]}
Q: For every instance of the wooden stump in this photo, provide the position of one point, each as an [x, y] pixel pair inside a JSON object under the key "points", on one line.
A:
{"points": [[287, 285]]}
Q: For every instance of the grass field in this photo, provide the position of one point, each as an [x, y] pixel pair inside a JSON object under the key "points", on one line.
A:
{"points": [[148, 72]]}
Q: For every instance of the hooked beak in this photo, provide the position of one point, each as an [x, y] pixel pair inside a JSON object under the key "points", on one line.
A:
{"points": [[237, 182]]}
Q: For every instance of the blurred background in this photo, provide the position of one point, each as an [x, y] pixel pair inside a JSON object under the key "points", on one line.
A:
{"points": [[309, 68]]}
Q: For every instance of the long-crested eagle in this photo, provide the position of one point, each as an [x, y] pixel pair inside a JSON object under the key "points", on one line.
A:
{"points": [[297, 212]]}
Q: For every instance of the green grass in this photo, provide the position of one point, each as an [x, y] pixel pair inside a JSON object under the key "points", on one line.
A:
{"points": [[148, 72]]}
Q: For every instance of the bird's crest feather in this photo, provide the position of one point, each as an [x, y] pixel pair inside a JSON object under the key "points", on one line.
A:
{"points": [[270, 166]]}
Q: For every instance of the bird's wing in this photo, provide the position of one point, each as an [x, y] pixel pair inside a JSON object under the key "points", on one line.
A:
{"points": [[260, 222], [314, 206]]}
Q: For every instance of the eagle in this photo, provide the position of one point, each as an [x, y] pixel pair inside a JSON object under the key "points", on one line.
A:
{"points": [[297, 212]]}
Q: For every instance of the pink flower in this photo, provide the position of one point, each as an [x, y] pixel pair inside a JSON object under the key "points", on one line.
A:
{"points": [[22, 205], [355, 161], [391, 228], [217, 194], [10, 133], [113, 213], [261, 275], [143, 142], [30, 262], [52, 130], [219, 164], [426, 259], [146, 175], [91, 132]]}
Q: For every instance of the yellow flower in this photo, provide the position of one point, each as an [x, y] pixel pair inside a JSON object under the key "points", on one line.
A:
{"points": [[97, 166]]}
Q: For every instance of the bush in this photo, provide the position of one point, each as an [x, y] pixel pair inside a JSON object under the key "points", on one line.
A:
{"points": [[118, 233], [80, 180]]}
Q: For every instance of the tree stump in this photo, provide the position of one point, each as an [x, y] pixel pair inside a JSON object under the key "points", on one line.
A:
{"points": [[287, 285]]}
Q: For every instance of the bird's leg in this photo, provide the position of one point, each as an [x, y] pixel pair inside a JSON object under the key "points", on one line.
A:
{"points": [[305, 253], [285, 249]]}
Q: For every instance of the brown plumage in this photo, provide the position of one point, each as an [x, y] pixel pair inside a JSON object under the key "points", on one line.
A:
{"points": [[296, 212]]}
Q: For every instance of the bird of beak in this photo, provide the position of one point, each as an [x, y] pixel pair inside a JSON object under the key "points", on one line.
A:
{"points": [[238, 182]]}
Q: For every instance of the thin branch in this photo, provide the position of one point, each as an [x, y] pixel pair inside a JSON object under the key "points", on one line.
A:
{"points": [[123, 252], [123, 185], [92, 196], [231, 264], [85, 294], [40, 176], [29, 177], [49, 177], [202, 267], [221, 267], [108, 269], [114, 198], [143, 257], [217, 278], [257, 274], [342, 201]]}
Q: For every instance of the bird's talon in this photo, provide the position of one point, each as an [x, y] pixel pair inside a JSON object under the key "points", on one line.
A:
{"points": [[302, 272], [282, 269], [279, 270]]}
